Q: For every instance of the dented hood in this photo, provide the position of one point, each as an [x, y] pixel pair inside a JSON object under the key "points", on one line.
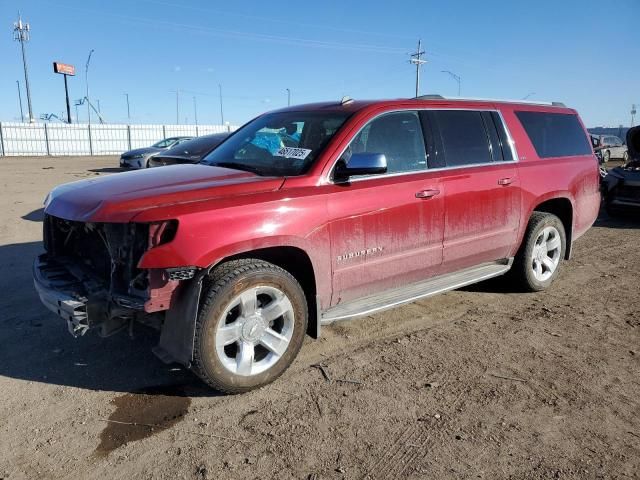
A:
{"points": [[119, 197]]}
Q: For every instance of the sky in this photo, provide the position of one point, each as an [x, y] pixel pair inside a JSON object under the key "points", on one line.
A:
{"points": [[580, 52]]}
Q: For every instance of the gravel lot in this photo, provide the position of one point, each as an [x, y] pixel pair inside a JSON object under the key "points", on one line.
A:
{"points": [[482, 382]]}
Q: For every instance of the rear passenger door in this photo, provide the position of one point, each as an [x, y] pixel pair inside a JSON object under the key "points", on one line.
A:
{"points": [[480, 182]]}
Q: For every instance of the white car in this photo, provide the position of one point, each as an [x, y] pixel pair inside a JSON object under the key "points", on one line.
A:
{"points": [[612, 147]]}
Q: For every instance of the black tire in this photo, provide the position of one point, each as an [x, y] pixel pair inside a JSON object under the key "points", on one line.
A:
{"points": [[224, 284], [522, 271]]}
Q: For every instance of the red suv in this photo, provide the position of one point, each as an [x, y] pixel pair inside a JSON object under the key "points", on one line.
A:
{"points": [[313, 214]]}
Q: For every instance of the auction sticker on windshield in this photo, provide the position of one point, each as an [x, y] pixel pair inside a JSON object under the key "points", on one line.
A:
{"points": [[291, 152]]}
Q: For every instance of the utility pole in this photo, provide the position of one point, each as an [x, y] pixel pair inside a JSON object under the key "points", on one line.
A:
{"points": [[221, 111], [195, 110], [22, 34], [86, 78], [455, 77], [288, 97], [20, 102], [633, 114], [416, 59], [128, 111]]}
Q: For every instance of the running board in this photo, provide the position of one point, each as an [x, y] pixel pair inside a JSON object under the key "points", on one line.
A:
{"points": [[416, 291]]}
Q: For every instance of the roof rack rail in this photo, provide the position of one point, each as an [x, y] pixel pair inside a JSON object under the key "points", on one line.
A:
{"points": [[435, 96]]}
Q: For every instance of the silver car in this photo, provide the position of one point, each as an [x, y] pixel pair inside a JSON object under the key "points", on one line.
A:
{"points": [[139, 158], [612, 147]]}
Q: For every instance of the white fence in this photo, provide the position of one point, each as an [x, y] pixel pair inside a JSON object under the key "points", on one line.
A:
{"points": [[94, 139]]}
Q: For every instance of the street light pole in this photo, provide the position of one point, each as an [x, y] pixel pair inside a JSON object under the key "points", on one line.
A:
{"points": [[177, 106], [288, 97], [128, 111], [21, 33], [20, 102], [86, 77], [221, 111], [195, 110], [455, 77]]}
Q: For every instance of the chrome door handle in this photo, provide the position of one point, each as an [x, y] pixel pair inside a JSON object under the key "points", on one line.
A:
{"points": [[505, 181], [432, 192]]}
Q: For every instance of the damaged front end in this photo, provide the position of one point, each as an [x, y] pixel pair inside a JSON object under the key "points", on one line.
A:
{"points": [[89, 274]]}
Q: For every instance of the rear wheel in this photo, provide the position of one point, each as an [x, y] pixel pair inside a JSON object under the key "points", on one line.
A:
{"points": [[625, 157], [538, 261], [251, 325], [606, 156]]}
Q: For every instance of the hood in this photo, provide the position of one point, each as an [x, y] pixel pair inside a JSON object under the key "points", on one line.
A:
{"points": [[141, 151], [119, 197], [633, 143]]}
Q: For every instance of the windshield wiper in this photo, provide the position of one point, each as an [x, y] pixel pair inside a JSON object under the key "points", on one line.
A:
{"points": [[237, 166]]}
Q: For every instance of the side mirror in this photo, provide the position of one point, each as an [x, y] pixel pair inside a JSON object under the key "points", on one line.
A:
{"points": [[361, 164]]}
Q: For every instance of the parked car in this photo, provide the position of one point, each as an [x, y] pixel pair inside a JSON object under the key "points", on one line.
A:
{"points": [[377, 204], [611, 147], [622, 184], [139, 158], [191, 151]]}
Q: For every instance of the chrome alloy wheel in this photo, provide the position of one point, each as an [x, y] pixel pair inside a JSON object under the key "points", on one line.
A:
{"points": [[254, 330], [546, 253]]}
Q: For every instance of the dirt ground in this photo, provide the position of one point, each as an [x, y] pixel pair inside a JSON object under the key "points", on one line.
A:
{"points": [[478, 383]]}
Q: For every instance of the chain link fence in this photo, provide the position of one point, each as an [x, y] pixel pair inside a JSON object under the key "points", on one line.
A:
{"points": [[31, 139]]}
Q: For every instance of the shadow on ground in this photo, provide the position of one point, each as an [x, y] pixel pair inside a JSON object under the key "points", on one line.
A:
{"points": [[107, 170], [35, 216], [36, 345]]}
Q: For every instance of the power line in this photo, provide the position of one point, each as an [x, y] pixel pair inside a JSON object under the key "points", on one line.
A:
{"points": [[416, 59], [22, 34]]}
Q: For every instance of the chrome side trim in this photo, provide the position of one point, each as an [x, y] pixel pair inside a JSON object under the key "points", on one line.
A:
{"points": [[326, 180], [414, 292]]}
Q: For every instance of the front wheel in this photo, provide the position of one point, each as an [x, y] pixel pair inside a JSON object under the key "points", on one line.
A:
{"points": [[251, 325], [537, 263]]}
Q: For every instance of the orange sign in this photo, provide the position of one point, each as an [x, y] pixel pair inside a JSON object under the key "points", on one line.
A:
{"points": [[64, 68]]}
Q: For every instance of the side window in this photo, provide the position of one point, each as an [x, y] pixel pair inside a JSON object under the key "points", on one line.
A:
{"points": [[464, 137], [398, 136], [555, 134]]}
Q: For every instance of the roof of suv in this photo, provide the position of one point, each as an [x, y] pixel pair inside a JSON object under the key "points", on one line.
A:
{"points": [[351, 105]]}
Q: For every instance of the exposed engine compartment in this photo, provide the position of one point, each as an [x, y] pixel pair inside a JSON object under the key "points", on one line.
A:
{"points": [[109, 252], [94, 267]]}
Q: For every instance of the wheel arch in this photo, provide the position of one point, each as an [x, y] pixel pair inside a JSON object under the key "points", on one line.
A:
{"points": [[561, 207], [294, 260]]}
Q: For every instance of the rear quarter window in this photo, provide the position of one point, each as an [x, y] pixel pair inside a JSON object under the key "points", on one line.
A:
{"points": [[555, 134]]}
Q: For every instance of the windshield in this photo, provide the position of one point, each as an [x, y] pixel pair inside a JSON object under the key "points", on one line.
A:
{"points": [[197, 146], [278, 144], [164, 143]]}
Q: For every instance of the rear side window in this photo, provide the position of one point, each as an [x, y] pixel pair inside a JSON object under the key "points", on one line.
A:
{"points": [[464, 137], [555, 134]]}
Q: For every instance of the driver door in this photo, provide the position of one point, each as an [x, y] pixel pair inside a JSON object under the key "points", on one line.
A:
{"points": [[385, 231]]}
